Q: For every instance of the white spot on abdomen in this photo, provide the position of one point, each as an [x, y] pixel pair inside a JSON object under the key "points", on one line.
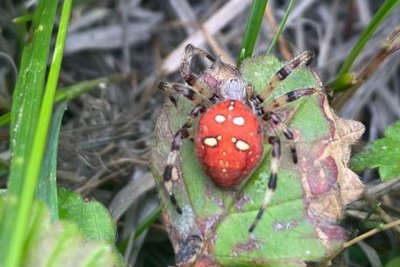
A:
{"points": [[210, 141], [239, 121], [220, 118], [242, 145]]}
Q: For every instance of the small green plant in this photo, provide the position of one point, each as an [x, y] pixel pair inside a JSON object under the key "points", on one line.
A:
{"points": [[383, 153]]}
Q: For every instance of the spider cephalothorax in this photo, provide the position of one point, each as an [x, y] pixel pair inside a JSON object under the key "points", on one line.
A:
{"points": [[229, 137]]}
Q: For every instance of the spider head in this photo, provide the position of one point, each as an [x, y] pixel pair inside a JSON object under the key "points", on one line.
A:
{"points": [[234, 89]]}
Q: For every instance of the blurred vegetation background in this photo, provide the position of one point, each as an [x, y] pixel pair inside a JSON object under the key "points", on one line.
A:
{"points": [[106, 134]]}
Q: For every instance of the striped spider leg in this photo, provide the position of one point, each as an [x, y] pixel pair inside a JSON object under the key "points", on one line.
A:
{"points": [[199, 93], [267, 113]]}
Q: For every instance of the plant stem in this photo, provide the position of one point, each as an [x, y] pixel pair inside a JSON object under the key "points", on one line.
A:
{"points": [[387, 7], [281, 26]]}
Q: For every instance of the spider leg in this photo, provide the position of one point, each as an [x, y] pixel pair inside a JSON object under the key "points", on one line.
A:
{"points": [[191, 78], [175, 88], [179, 136], [282, 100], [287, 98], [304, 58], [276, 120], [273, 178], [267, 113]]}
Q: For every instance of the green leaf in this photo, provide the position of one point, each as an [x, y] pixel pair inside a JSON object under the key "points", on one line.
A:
{"points": [[91, 217], [61, 243], [393, 263], [298, 225], [383, 153]]}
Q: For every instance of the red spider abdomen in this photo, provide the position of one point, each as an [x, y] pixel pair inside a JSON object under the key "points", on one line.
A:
{"points": [[229, 142]]}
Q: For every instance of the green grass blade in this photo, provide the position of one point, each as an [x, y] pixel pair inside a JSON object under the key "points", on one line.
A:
{"points": [[281, 26], [29, 163], [350, 81], [144, 225], [70, 92], [24, 116], [148, 221], [47, 186], [387, 7], [5, 119], [252, 29], [29, 90], [23, 19], [40, 135], [73, 91]]}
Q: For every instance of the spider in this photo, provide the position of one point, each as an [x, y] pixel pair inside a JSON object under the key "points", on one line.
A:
{"points": [[230, 136]]}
